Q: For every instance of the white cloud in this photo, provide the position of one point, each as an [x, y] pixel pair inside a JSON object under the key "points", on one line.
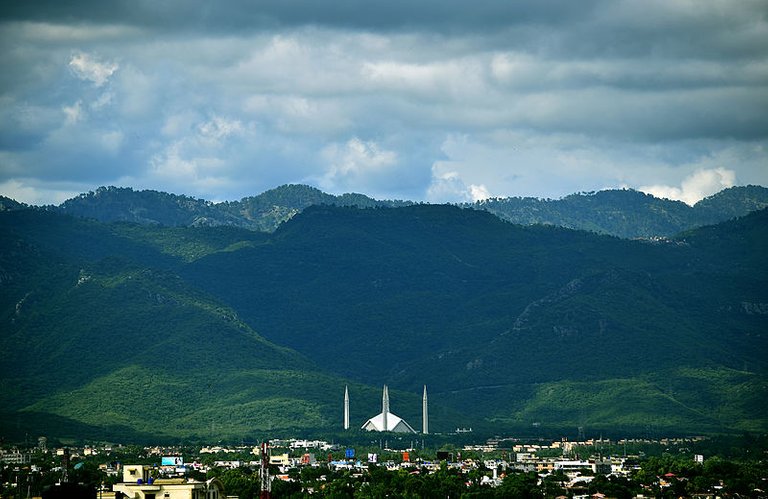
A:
{"points": [[214, 132], [447, 186], [417, 77], [518, 69], [88, 68], [102, 101], [203, 156], [68, 33], [355, 164], [479, 192], [73, 113], [695, 187], [171, 164], [31, 193], [299, 114]]}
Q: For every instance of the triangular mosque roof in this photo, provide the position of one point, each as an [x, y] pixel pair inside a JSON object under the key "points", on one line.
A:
{"points": [[394, 423]]}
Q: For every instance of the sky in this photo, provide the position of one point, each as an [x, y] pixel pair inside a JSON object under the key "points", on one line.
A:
{"points": [[433, 100]]}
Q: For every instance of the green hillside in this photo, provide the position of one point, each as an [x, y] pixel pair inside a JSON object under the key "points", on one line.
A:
{"points": [[459, 300], [102, 339], [93, 336], [220, 332]]}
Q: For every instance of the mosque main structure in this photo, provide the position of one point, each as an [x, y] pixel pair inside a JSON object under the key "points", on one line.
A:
{"points": [[386, 420]]}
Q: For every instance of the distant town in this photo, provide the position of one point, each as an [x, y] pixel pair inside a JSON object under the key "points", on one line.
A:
{"points": [[391, 464]]}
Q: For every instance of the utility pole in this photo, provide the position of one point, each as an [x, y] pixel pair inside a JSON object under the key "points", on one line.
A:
{"points": [[266, 483], [65, 466]]}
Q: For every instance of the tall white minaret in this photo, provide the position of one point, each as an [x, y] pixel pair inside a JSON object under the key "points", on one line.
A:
{"points": [[346, 407], [385, 408], [424, 413]]}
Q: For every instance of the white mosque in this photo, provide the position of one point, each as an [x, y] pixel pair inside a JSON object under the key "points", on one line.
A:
{"points": [[386, 421]]}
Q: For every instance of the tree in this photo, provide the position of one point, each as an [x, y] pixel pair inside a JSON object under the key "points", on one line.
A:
{"points": [[619, 487], [520, 485], [238, 482]]}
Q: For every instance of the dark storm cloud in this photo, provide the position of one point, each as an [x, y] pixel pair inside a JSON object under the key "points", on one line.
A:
{"points": [[348, 14], [709, 29]]}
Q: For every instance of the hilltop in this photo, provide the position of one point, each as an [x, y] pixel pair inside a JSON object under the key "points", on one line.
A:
{"points": [[264, 212], [627, 213], [623, 213]]}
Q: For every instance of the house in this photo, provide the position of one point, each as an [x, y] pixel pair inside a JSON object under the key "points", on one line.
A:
{"points": [[139, 484]]}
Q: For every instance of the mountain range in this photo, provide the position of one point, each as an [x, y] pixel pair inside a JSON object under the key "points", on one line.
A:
{"points": [[131, 321], [624, 213]]}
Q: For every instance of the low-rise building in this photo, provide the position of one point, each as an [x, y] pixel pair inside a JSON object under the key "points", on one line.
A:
{"points": [[139, 484], [280, 459], [15, 457]]}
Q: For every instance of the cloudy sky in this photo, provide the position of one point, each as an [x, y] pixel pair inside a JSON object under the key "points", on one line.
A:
{"points": [[435, 100]]}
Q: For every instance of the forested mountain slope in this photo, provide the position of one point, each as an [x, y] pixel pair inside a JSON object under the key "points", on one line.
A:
{"points": [[461, 300], [100, 337], [126, 329]]}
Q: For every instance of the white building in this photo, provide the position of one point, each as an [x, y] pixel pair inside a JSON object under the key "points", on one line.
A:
{"points": [[386, 421]]}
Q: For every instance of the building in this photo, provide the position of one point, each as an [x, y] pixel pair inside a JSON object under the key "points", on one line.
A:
{"points": [[138, 484], [386, 421], [15, 457]]}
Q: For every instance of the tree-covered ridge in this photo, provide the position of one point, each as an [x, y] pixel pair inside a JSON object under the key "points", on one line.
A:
{"points": [[264, 212], [275, 206], [624, 213], [732, 202], [147, 207], [7, 204], [627, 213]]}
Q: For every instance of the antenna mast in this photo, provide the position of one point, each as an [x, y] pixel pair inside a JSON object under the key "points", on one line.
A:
{"points": [[264, 478]]}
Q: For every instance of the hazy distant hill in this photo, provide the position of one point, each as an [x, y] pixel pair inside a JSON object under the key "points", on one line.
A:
{"points": [[731, 203], [271, 208], [264, 212], [202, 332], [113, 204], [628, 213], [622, 213]]}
